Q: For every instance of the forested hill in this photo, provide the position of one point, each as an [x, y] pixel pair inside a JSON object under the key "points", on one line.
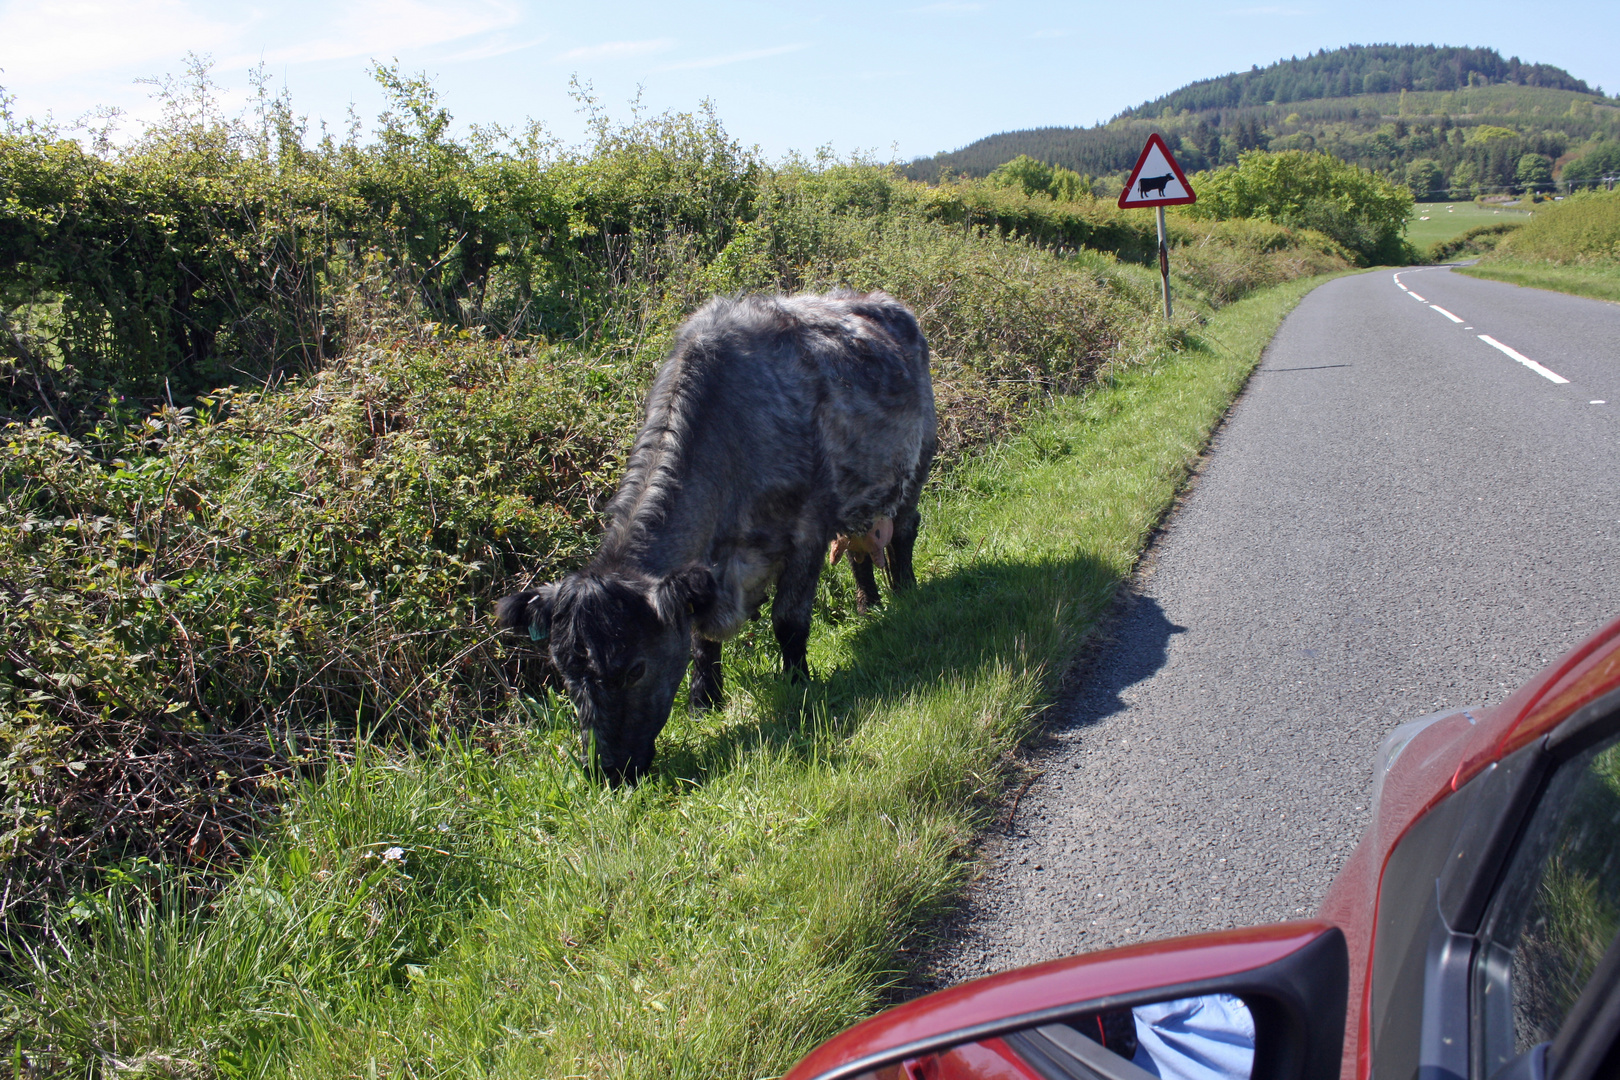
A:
{"points": [[1451, 122], [1359, 69]]}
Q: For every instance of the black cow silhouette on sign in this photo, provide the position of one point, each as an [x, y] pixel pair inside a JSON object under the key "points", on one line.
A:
{"points": [[1152, 183]]}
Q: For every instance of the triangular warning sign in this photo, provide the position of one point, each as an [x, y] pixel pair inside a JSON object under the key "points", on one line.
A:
{"points": [[1157, 180]]}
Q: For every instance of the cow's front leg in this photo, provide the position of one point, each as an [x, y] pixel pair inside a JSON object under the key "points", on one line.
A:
{"points": [[790, 610], [901, 573], [707, 690]]}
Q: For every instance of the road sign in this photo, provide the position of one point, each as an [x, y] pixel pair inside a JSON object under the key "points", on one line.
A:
{"points": [[1157, 180]]}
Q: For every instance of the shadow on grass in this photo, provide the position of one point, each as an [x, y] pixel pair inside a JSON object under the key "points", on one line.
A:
{"points": [[953, 628]]}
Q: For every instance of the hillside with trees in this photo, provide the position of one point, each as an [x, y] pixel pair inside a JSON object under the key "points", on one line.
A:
{"points": [[1447, 122]]}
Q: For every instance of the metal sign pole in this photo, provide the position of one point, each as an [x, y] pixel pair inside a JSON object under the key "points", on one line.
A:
{"points": [[1164, 265]]}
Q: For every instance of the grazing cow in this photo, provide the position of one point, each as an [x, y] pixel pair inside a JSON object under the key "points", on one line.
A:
{"points": [[777, 425], [1151, 183]]}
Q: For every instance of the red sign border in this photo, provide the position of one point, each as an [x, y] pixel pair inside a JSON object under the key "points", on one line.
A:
{"points": [[1136, 173]]}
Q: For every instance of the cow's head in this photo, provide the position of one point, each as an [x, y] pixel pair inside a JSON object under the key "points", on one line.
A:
{"points": [[621, 644]]}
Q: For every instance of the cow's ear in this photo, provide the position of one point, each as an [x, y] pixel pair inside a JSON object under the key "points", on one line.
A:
{"points": [[529, 611], [691, 591]]}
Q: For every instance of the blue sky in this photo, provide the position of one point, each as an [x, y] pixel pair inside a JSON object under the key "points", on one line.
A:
{"points": [[888, 78]]}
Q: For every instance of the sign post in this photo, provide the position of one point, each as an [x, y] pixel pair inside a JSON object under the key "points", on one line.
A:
{"points": [[1157, 181]]}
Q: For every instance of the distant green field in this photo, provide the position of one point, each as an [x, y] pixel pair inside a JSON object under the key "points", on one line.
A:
{"points": [[1432, 222]]}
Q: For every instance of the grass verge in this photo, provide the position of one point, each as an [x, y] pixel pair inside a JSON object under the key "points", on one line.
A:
{"points": [[473, 907], [1596, 281]]}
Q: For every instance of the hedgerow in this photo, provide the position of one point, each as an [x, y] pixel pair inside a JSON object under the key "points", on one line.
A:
{"points": [[1583, 229], [438, 348]]}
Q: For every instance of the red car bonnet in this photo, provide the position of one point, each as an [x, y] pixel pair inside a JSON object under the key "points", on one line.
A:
{"points": [[1438, 761]]}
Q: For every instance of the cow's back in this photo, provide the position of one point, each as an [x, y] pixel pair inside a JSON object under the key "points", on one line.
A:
{"points": [[775, 423]]}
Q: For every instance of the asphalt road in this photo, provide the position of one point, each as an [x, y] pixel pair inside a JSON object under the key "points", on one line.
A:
{"points": [[1397, 517]]}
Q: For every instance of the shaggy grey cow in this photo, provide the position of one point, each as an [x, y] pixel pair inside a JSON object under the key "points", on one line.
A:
{"points": [[777, 425]]}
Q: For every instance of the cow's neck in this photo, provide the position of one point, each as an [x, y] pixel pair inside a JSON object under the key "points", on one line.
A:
{"points": [[665, 512]]}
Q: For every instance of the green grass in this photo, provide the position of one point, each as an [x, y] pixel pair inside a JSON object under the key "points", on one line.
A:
{"points": [[1598, 282], [1446, 221], [474, 907]]}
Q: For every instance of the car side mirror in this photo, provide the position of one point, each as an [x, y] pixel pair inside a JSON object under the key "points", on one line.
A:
{"points": [[1260, 1004], [1208, 1037]]}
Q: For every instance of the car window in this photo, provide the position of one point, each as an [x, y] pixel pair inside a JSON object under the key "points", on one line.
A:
{"points": [[1555, 914]]}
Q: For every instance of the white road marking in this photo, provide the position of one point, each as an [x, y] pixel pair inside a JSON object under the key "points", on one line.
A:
{"points": [[1416, 297], [1545, 373], [1403, 287], [1446, 313], [1599, 402]]}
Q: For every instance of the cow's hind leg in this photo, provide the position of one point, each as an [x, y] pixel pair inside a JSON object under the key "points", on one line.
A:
{"points": [[707, 690], [790, 610], [901, 573], [866, 586]]}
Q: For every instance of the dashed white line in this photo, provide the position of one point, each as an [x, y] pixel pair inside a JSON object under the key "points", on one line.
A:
{"points": [[1545, 373], [1539, 369]]}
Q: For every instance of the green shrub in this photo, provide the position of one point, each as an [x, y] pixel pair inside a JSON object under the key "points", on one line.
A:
{"points": [[1356, 208], [1223, 261], [1038, 178], [1582, 229]]}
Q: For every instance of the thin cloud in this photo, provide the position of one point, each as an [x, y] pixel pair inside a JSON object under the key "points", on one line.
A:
{"points": [[618, 50], [50, 42], [945, 9], [498, 47], [734, 58], [1268, 11], [383, 27]]}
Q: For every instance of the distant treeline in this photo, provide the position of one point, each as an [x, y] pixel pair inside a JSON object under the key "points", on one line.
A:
{"points": [[1359, 69], [1490, 135]]}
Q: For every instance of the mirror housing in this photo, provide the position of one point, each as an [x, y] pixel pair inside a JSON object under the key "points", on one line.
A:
{"points": [[1294, 978]]}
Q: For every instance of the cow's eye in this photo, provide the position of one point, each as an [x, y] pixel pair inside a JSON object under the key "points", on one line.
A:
{"points": [[635, 672]]}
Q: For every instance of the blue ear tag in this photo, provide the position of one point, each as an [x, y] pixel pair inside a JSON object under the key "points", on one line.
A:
{"points": [[536, 635]]}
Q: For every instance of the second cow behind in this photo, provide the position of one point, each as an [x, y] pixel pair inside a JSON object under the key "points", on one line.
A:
{"points": [[777, 425]]}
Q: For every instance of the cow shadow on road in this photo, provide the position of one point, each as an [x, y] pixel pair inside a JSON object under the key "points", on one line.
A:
{"points": [[978, 625], [1136, 647]]}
